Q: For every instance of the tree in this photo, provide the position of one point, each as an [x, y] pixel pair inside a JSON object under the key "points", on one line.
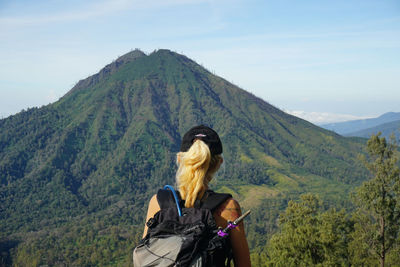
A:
{"points": [[377, 218], [310, 237]]}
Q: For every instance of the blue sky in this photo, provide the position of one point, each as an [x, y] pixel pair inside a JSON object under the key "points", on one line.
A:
{"points": [[322, 60]]}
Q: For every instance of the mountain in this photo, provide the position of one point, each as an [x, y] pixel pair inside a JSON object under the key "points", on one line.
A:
{"points": [[348, 127], [386, 129], [76, 174]]}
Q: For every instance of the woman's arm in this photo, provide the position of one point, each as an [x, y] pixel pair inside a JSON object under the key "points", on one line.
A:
{"points": [[153, 208], [230, 211]]}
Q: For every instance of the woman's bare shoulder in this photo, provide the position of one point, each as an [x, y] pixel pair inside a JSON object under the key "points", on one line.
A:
{"points": [[154, 202], [153, 198], [152, 209], [229, 210]]}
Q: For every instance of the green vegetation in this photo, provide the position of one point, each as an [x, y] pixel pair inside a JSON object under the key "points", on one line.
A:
{"points": [[310, 237], [99, 153], [378, 200], [75, 245], [369, 236]]}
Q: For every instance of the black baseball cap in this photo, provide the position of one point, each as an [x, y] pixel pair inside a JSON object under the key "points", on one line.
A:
{"points": [[204, 133]]}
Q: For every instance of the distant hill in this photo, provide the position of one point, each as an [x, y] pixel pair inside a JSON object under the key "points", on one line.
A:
{"points": [[387, 129], [76, 175], [348, 127]]}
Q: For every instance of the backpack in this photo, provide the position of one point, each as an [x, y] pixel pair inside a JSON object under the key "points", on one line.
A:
{"points": [[179, 236]]}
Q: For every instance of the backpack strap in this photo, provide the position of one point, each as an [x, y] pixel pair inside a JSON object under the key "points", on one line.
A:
{"points": [[213, 200], [166, 199]]}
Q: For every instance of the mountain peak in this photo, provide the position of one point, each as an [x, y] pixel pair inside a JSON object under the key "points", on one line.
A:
{"points": [[130, 56], [108, 69], [164, 51]]}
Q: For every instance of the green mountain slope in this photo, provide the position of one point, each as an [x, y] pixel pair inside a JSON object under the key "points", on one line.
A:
{"points": [[94, 158]]}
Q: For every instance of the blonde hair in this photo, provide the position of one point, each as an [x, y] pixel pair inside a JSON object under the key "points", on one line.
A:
{"points": [[196, 168]]}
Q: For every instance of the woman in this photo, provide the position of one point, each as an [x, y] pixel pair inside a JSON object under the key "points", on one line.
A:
{"points": [[199, 159]]}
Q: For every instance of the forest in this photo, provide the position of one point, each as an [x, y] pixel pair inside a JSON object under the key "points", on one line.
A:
{"points": [[307, 234]]}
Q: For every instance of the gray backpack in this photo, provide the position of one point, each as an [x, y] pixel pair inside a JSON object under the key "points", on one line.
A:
{"points": [[179, 236]]}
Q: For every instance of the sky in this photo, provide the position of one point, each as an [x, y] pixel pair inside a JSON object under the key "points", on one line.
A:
{"points": [[324, 61]]}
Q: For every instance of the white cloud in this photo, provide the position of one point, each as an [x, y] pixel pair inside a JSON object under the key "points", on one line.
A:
{"points": [[324, 117]]}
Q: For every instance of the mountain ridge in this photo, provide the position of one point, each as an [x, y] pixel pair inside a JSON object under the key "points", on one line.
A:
{"points": [[349, 127], [386, 130]]}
